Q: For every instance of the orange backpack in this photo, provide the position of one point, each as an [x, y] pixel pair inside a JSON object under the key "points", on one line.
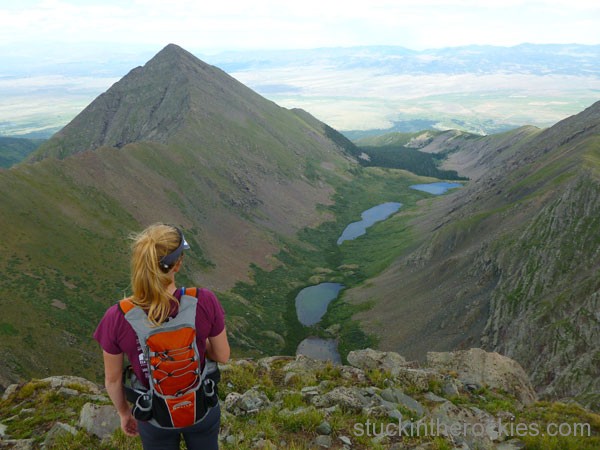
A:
{"points": [[180, 394]]}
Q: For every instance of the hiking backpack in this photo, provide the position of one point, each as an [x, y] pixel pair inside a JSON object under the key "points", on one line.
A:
{"points": [[180, 394]]}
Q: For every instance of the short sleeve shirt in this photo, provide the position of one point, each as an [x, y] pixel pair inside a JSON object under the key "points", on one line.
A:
{"points": [[115, 335]]}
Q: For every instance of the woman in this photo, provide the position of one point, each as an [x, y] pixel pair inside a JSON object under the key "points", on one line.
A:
{"points": [[157, 255]]}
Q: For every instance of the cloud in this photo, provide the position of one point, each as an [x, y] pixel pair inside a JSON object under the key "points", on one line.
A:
{"points": [[264, 24]]}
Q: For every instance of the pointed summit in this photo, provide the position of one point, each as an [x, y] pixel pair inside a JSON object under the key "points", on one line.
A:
{"points": [[151, 103]]}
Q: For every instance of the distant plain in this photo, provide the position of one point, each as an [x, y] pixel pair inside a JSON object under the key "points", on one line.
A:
{"points": [[477, 89]]}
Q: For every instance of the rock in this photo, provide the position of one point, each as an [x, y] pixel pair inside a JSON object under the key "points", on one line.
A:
{"points": [[304, 364], [324, 428], [397, 396], [347, 398], [231, 400], [418, 379], [434, 398], [264, 443], [477, 428], [449, 389], [302, 370], [300, 410], [97, 398], [309, 392], [322, 441], [353, 373], [58, 429], [249, 402], [69, 381], [267, 362], [230, 439], [10, 390], [513, 444], [99, 420], [66, 392], [18, 444], [373, 359], [476, 366], [3, 430], [397, 446], [345, 440]]}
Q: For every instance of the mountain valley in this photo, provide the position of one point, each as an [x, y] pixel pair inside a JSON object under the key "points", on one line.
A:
{"points": [[509, 262]]}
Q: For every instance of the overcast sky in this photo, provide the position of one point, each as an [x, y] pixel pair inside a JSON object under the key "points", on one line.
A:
{"points": [[212, 26]]}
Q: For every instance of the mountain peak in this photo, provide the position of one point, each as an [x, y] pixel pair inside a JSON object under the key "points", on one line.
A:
{"points": [[173, 53], [151, 103]]}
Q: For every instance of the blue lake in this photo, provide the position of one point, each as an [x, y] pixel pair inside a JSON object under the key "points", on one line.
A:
{"points": [[312, 301], [318, 348], [436, 188], [369, 217]]}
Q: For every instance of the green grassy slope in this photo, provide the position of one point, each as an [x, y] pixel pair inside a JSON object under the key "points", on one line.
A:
{"points": [[511, 265], [14, 150]]}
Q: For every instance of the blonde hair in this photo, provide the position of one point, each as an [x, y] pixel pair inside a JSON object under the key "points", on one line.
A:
{"points": [[148, 281]]}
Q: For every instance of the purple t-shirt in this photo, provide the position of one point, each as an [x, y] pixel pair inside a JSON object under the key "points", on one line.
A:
{"points": [[115, 335]]}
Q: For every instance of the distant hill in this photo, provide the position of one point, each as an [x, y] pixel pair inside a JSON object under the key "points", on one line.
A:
{"points": [[510, 262], [14, 150], [177, 141], [420, 153]]}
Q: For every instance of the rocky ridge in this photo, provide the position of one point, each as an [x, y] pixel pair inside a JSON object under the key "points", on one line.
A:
{"points": [[468, 399]]}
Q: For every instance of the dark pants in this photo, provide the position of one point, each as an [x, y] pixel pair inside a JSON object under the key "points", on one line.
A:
{"points": [[202, 436]]}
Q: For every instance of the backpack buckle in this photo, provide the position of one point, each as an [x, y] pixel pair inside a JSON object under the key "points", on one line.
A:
{"points": [[209, 392]]}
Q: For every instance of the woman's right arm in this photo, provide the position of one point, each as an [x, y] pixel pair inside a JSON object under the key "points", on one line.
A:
{"points": [[113, 367], [217, 347]]}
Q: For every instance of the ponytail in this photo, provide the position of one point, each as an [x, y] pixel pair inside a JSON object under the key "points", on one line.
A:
{"points": [[148, 281]]}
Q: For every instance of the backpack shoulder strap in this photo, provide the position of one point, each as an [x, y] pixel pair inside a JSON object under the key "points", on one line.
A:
{"points": [[126, 305], [192, 292]]}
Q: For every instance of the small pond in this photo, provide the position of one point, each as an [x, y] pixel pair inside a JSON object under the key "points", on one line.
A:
{"points": [[312, 301], [318, 348], [369, 217], [436, 188]]}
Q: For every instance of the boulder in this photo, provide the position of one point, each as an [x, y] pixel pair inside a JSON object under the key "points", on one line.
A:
{"points": [[350, 399], [472, 426], [18, 444], [322, 441], [10, 390], [324, 428], [68, 381], [249, 402], [417, 379], [396, 396], [99, 420], [374, 359], [489, 369]]}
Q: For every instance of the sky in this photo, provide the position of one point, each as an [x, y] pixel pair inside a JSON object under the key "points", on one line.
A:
{"points": [[57, 55], [292, 24]]}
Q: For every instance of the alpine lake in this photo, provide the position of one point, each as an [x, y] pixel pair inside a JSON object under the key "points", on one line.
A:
{"points": [[312, 301]]}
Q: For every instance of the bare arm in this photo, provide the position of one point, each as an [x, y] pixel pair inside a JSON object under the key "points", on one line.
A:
{"points": [[217, 347], [113, 368]]}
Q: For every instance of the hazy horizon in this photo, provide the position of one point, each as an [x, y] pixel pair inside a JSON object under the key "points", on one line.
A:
{"points": [[58, 55], [474, 88]]}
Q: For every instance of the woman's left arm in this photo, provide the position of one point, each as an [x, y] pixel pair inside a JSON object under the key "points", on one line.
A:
{"points": [[113, 373]]}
